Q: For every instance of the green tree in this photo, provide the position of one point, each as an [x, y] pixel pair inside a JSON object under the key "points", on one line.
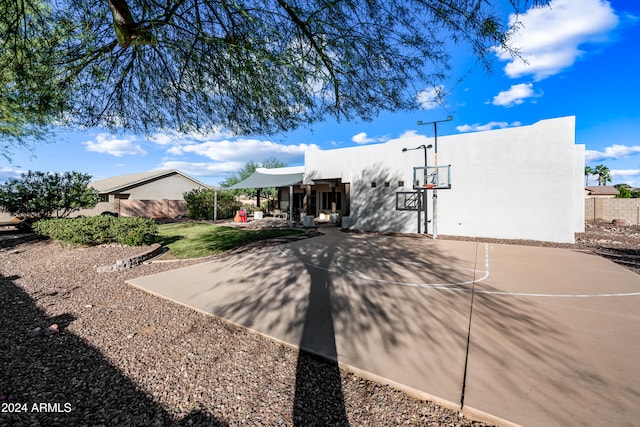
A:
{"points": [[624, 191], [588, 171], [240, 175], [200, 204], [32, 92], [245, 172], [604, 174], [270, 192], [248, 66], [45, 194]]}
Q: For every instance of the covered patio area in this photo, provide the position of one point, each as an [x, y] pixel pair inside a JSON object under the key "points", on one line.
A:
{"points": [[326, 200]]}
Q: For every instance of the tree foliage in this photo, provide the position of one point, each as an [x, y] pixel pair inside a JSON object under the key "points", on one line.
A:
{"points": [[588, 171], [245, 172], [249, 66], [33, 94], [625, 191], [603, 173], [240, 175], [200, 204], [44, 195]]}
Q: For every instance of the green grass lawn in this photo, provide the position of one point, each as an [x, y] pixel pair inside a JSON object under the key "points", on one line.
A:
{"points": [[199, 239]]}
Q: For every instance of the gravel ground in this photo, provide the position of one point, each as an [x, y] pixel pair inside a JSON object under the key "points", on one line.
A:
{"points": [[81, 348]]}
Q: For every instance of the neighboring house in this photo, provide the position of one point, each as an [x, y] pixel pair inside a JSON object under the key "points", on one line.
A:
{"points": [[154, 194], [601, 191], [500, 184]]}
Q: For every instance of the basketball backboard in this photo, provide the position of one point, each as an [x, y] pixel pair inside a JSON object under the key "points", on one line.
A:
{"points": [[432, 177]]}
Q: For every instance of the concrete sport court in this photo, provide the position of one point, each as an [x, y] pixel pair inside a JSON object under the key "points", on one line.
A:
{"points": [[525, 335]]}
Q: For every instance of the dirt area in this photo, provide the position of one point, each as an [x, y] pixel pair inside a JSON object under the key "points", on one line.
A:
{"points": [[620, 244]]}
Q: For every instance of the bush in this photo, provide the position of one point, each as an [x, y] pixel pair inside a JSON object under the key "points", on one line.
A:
{"points": [[200, 204], [100, 229], [46, 194]]}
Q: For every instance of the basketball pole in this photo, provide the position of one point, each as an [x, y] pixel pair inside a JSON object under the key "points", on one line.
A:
{"points": [[422, 192], [434, 209], [434, 226]]}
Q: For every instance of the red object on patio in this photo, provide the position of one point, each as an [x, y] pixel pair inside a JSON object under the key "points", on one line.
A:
{"points": [[241, 216]]}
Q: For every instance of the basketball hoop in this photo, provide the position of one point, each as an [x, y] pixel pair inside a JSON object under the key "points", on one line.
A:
{"points": [[428, 186]]}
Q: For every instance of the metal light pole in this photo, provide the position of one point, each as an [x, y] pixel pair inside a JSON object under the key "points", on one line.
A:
{"points": [[424, 190], [435, 163]]}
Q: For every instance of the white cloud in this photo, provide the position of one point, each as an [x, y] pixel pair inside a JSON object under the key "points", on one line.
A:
{"points": [[491, 125], [176, 138], [616, 151], [244, 150], [9, 173], [430, 98], [362, 138], [108, 144], [515, 95], [626, 176], [218, 169], [625, 172], [549, 38]]}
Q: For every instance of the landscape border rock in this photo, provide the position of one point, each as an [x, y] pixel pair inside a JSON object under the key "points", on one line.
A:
{"points": [[622, 222], [131, 262]]}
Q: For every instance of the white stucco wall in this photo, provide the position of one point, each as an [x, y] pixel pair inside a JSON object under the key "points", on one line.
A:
{"points": [[515, 183]]}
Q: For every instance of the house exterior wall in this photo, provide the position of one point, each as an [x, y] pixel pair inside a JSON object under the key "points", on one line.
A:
{"points": [[515, 183], [96, 210], [155, 209], [170, 187]]}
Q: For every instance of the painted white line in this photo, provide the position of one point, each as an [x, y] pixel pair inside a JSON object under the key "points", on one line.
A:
{"points": [[393, 282], [526, 294], [458, 286]]}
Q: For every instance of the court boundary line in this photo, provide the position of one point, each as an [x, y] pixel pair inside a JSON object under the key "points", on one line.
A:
{"points": [[461, 286]]}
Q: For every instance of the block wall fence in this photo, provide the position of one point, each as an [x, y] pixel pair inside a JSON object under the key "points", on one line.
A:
{"points": [[606, 210]]}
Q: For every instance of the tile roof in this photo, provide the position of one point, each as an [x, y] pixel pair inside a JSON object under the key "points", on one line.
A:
{"points": [[602, 190], [115, 183]]}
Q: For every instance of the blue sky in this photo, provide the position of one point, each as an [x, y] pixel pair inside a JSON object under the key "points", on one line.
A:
{"points": [[582, 59]]}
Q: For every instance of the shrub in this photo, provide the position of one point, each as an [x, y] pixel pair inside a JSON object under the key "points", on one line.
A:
{"points": [[46, 194], [100, 229], [200, 204]]}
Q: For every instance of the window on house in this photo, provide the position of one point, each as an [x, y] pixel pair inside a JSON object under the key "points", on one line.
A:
{"points": [[387, 184], [373, 184], [400, 183]]}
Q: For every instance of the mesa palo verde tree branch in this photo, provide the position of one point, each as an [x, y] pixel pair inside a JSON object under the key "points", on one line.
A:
{"points": [[247, 66]]}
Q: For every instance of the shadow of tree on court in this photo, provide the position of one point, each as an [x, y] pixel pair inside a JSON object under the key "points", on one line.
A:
{"points": [[360, 294], [361, 288], [44, 366], [318, 396]]}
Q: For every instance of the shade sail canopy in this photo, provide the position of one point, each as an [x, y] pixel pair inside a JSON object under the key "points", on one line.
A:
{"points": [[265, 178]]}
